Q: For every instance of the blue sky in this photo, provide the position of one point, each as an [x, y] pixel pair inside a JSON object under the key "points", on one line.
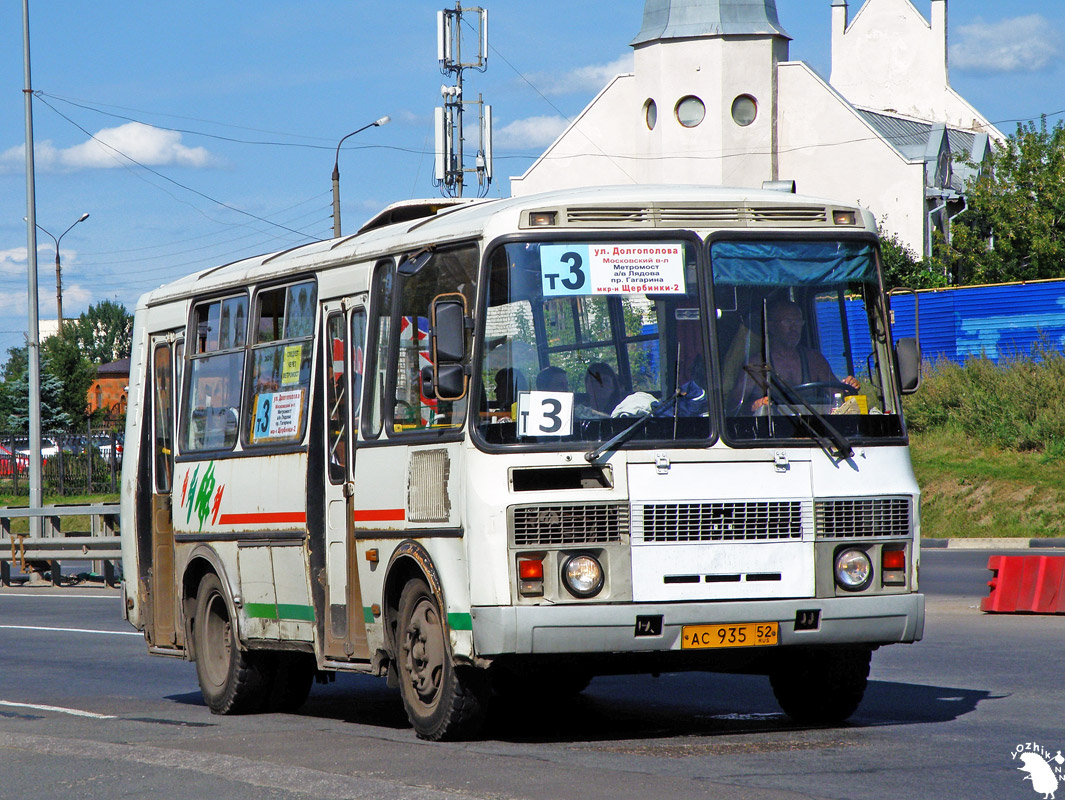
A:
{"points": [[233, 111]]}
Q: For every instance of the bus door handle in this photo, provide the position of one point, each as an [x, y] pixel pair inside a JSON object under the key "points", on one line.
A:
{"points": [[348, 489]]}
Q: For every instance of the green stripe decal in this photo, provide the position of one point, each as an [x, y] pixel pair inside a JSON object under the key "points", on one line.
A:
{"points": [[367, 615], [282, 611], [460, 622]]}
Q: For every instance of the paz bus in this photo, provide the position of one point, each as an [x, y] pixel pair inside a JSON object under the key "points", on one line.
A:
{"points": [[494, 447]]}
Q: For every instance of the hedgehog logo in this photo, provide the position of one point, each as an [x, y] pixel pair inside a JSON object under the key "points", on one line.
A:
{"points": [[1042, 769]]}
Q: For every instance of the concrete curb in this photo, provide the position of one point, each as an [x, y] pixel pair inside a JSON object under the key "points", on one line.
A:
{"points": [[1000, 543]]}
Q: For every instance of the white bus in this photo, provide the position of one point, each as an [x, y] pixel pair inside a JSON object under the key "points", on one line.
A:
{"points": [[490, 447]]}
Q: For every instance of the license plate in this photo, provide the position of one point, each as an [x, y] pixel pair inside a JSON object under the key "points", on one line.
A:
{"points": [[749, 634]]}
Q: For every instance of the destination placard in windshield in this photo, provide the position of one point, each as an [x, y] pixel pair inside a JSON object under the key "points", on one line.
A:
{"points": [[605, 268]]}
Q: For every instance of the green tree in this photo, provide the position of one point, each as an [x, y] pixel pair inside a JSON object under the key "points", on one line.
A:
{"points": [[15, 392], [65, 361], [104, 332], [1014, 228], [902, 268]]}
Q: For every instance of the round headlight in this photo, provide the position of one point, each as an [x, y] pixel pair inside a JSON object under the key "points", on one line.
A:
{"points": [[583, 575], [854, 570]]}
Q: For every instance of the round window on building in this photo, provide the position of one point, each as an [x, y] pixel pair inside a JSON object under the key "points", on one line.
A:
{"points": [[650, 114], [744, 110], [690, 111]]}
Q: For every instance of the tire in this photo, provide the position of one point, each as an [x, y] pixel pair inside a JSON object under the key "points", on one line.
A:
{"points": [[442, 700], [822, 687], [233, 681]]}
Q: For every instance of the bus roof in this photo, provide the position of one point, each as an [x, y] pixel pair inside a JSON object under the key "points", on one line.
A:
{"points": [[601, 207]]}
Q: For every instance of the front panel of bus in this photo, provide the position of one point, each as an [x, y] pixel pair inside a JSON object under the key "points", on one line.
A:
{"points": [[663, 463]]}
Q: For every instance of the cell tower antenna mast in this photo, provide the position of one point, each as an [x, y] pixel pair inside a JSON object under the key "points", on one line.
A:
{"points": [[450, 169]]}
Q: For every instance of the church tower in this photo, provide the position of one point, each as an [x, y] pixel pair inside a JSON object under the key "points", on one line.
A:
{"points": [[700, 106]]}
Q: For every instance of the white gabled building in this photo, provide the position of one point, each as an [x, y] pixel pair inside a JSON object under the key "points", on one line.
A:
{"points": [[714, 99]]}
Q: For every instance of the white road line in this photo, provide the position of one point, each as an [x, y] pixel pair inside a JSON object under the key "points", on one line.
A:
{"points": [[74, 712], [70, 630]]}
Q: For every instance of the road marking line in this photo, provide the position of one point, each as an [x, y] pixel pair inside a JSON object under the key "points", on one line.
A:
{"points": [[74, 712], [70, 630]]}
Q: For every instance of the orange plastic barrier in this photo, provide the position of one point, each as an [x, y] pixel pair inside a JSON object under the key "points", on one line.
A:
{"points": [[1026, 585]]}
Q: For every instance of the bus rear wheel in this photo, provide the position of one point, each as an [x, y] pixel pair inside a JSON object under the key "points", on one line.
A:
{"points": [[822, 687], [233, 681], [442, 700]]}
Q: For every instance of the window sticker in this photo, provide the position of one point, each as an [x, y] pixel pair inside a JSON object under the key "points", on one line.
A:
{"points": [[584, 269], [545, 413], [277, 415], [290, 370]]}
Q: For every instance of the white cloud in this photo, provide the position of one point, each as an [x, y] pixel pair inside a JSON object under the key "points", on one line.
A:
{"points": [[13, 262], [582, 80], [143, 143], [1021, 44], [530, 132]]}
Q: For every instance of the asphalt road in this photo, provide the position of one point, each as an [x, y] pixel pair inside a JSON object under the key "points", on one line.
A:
{"points": [[85, 712]]}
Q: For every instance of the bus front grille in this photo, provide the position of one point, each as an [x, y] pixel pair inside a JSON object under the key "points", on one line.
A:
{"points": [[575, 524], [878, 516], [720, 522]]}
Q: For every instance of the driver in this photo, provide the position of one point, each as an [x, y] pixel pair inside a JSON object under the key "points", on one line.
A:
{"points": [[790, 360]]}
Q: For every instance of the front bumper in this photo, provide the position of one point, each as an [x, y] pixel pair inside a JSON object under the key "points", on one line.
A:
{"points": [[557, 630]]}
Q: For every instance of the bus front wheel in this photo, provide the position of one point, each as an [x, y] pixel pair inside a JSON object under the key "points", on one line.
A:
{"points": [[233, 681], [442, 700], [821, 687]]}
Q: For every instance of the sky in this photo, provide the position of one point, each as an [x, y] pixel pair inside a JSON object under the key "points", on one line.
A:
{"points": [[198, 133]]}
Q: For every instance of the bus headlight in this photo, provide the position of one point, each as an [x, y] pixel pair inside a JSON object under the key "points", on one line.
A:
{"points": [[854, 570], [583, 575]]}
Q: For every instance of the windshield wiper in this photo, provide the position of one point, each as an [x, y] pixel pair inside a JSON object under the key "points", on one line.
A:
{"points": [[594, 455], [766, 377]]}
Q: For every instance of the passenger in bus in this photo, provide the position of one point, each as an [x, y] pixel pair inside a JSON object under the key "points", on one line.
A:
{"points": [[603, 387], [552, 379], [509, 382], [793, 363]]}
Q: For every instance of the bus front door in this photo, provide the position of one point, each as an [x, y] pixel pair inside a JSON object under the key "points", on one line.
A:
{"points": [[345, 624], [165, 350]]}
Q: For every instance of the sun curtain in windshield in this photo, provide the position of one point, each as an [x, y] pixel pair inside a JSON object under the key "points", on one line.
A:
{"points": [[802, 334], [582, 337]]}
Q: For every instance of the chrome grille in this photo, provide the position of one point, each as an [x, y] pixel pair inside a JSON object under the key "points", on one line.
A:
{"points": [[722, 522], [586, 523], [879, 516]]}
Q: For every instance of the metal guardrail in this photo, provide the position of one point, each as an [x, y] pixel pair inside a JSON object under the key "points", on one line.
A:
{"points": [[100, 544]]}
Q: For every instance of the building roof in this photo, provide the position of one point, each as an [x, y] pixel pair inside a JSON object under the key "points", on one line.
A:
{"points": [[113, 369], [910, 137], [688, 19]]}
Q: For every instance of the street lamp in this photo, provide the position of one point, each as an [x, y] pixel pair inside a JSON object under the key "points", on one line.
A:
{"points": [[59, 268], [336, 173]]}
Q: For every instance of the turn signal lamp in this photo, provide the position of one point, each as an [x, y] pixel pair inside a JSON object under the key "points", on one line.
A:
{"points": [[531, 577], [893, 566]]}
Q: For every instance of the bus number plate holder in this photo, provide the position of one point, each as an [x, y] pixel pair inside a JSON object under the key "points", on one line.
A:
{"points": [[748, 634]]}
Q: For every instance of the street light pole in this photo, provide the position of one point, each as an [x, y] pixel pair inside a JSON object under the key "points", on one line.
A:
{"points": [[59, 268], [336, 173]]}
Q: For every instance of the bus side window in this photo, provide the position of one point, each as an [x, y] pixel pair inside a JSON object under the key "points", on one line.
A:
{"points": [[276, 402], [377, 352], [210, 412], [336, 397], [450, 271], [164, 418]]}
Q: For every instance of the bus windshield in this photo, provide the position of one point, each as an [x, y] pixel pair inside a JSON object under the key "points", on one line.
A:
{"points": [[582, 337], [803, 340]]}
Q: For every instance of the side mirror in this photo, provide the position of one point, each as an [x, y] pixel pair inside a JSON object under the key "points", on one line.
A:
{"points": [[908, 359], [447, 316]]}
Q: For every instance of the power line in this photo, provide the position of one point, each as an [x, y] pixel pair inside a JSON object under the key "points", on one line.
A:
{"points": [[301, 234]]}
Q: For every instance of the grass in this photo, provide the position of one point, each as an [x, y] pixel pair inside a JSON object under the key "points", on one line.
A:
{"points": [[79, 522], [970, 489]]}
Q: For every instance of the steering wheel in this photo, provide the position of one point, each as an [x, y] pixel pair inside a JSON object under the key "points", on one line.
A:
{"points": [[810, 390]]}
